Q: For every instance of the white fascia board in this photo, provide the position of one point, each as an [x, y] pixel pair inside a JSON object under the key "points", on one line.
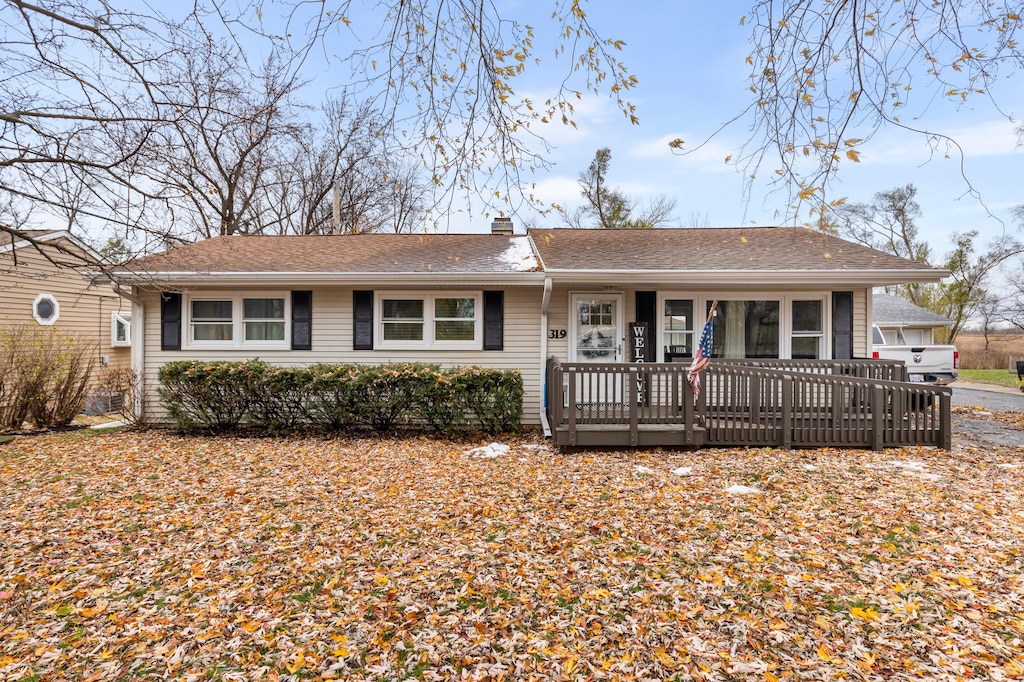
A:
{"points": [[49, 237], [293, 279], [747, 277]]}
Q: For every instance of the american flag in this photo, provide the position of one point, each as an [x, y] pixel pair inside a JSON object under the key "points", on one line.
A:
{"points": [[702, 356]]}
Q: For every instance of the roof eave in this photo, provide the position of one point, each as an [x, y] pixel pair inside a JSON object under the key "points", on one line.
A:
{"points": [[749, 277], [293, 279]]}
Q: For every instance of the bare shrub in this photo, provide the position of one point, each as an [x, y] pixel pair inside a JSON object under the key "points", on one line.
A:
{"points": [[70, 362], [44, 376], [124, 382]]}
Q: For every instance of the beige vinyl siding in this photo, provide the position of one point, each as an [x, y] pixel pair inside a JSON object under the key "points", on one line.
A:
{"points": [[332, 343], [861, 325], [85, 309]]}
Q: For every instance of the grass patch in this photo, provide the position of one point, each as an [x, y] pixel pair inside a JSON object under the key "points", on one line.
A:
{"points": [[997, 377]]}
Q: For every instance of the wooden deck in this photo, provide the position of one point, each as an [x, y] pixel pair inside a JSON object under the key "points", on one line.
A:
{"points": [[778, 403]]}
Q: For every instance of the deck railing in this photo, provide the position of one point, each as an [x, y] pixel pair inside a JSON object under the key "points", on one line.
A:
{"points": [[621, 404], [780, 403]]}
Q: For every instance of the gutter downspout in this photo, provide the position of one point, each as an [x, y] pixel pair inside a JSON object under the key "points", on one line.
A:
{"points": [[138, 354], [545, 301]]}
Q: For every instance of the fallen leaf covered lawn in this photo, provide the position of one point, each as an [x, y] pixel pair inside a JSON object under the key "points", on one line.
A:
{"points": [[152, 556]]}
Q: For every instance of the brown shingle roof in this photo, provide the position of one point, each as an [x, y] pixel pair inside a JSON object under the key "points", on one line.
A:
{"points": [[660, 255], [365, 253], [709, 249]]}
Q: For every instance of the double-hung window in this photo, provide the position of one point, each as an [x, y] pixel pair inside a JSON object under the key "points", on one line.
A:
{"points": [[808, 330], [252, 321], [438, 321], [263, 319], [677, 329]]}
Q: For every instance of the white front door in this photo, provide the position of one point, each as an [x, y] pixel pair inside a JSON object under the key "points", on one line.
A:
{"points": [[596, 328]]}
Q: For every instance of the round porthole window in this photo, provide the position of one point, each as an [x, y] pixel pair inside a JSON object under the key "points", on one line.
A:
{"points": [[45, 309]]}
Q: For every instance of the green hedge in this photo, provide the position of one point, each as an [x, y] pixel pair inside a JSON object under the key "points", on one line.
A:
{"points": [[225, 396]]}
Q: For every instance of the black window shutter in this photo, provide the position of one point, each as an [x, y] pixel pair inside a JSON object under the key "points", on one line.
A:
{"points": [[494, 320], [842, 325], [302, 320], [362, 320], [170, 321], [646, 311]]}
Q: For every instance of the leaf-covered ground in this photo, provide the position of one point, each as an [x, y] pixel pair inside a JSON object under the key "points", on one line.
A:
{"points": [[153, 556]]}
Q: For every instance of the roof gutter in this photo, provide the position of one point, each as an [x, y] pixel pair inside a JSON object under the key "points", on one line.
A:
{"points": [[418, 279], [545, 302], [775, 278], [123, 293]]}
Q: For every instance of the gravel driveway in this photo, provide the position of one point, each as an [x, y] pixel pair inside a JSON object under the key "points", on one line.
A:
{"points": [[968, 431]]}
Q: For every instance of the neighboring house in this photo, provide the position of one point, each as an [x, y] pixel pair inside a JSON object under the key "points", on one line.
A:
{"points": [[905, 324], [42, 284], [506, 301]]}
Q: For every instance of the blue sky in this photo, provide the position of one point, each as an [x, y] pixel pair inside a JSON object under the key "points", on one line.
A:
{"points": [[689, 59]]}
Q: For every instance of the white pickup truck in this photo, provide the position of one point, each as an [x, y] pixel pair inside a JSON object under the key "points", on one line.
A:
{"points": [[930, 364]]}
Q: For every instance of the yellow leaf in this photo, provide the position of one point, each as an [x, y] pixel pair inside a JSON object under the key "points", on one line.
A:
{"points": [[823, 653], [867, 614], [770, 677], [853, 155], [300, 661]]}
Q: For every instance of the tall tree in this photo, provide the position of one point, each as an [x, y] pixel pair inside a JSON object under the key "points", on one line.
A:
{"points": [[94, 95], [222, 150], [609, 207], [890, 224], [968, 288]]}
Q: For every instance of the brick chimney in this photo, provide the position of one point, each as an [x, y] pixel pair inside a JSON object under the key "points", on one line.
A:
{"points": [[502, 225]]}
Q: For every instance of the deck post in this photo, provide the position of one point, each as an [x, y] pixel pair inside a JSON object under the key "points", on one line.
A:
{"points": [[878, 416], [787, 412], [689, 417], [946, 420], [571, 373], [633, 397]]}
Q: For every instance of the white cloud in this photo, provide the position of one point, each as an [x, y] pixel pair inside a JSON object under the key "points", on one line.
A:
{"points": [[558, 189], [902, 147]]}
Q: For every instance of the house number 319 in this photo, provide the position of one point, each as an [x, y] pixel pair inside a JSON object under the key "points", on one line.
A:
{"points": [[556, 334]]}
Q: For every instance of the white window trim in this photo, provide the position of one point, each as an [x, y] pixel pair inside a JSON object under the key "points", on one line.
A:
{"points": [[56, 309], [428, 342], [785, 299], [236, 322], [117, 318], [823, 347]]}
